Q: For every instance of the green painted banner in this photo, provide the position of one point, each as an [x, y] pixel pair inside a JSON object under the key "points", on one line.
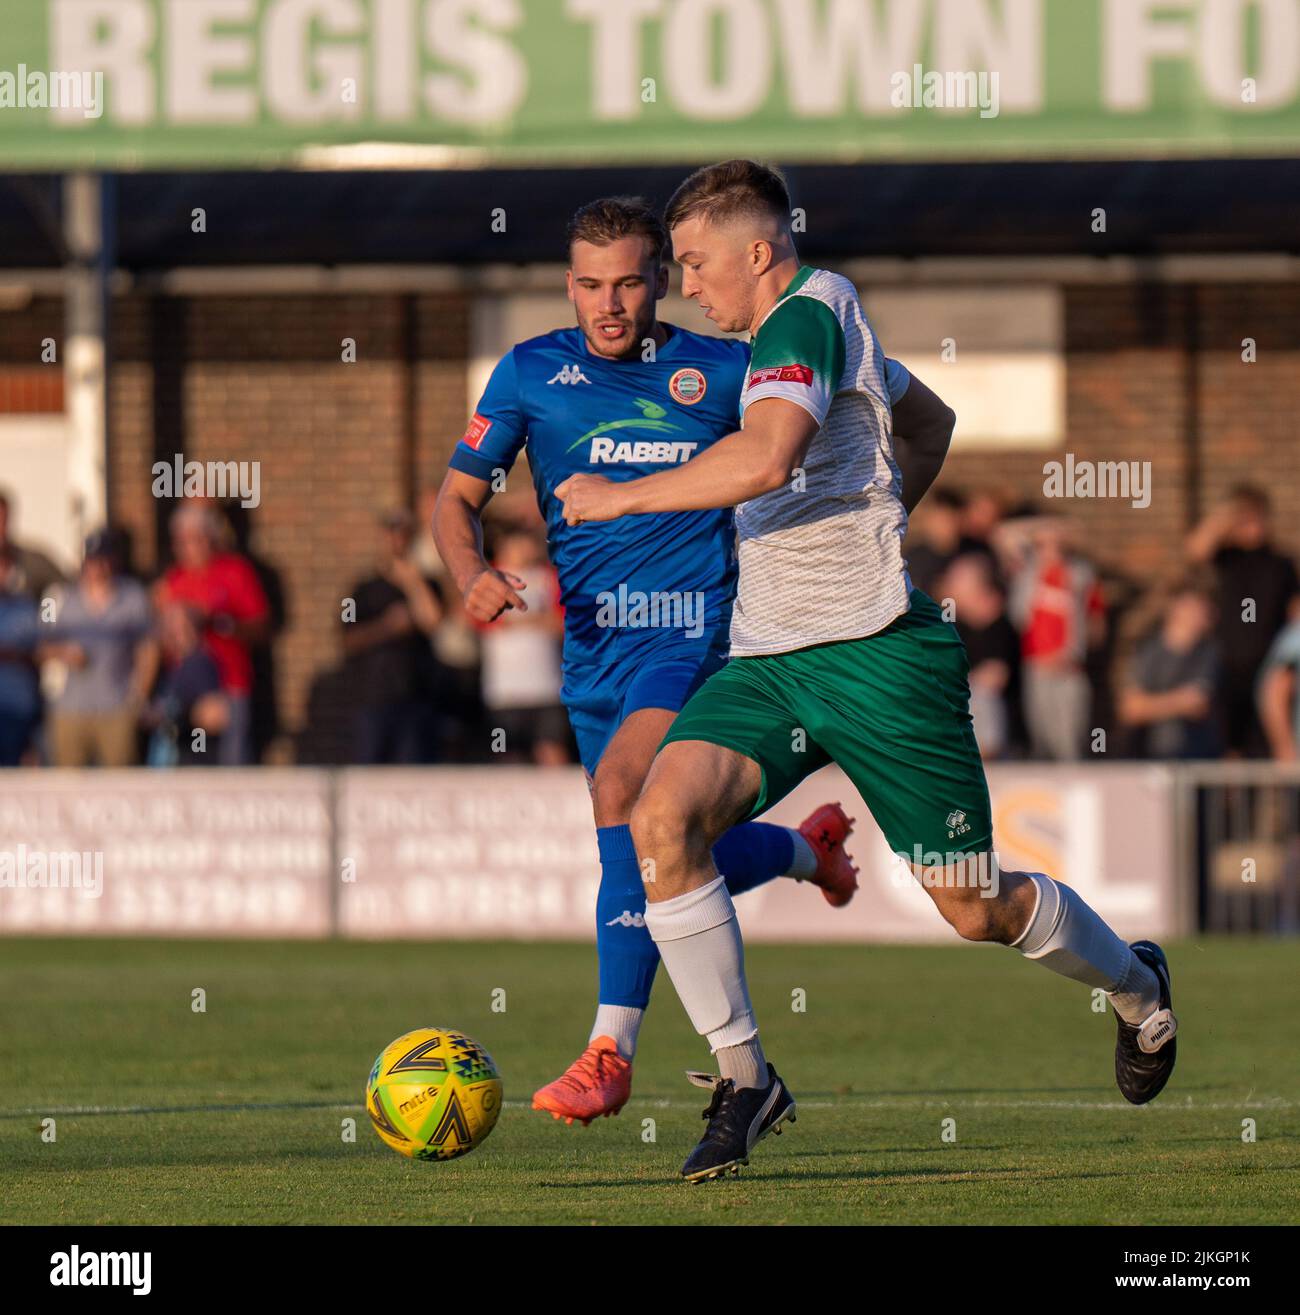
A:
{"points": [[123, 84]]}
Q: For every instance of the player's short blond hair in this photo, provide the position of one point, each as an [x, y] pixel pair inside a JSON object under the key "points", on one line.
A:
{"points": [[730, 190]]}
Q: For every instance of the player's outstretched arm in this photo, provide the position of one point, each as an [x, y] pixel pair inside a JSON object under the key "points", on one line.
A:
{"points": [[458, 532], [923, 425], [753, 461]]}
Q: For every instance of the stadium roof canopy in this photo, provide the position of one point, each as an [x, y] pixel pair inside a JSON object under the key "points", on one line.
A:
{"points": [[1155, 208]]}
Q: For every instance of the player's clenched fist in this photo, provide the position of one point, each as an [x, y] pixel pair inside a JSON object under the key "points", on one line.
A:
{"points": [[491, 592], [590, 498]]}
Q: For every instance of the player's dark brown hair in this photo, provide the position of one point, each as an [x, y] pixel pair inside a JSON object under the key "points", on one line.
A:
{"points": [[613, 217], [728, 190]]}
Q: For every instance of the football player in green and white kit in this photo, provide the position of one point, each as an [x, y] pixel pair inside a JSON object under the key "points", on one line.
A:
{"points": [[835, 658]]}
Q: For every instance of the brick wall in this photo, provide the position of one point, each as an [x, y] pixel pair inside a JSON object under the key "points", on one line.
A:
{"points": [[261, 378]]}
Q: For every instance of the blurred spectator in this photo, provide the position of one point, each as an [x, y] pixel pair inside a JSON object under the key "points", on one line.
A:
{"points": [[980, 519], [1168, 699], [1121, 596], [20, 698], [389, 655], [1235, 539], [938, 539], [521, 658], [23, 571], [265, 710], [232, 609], [189, 697], [992, 649], [948, 526], [455, 643], [99, 662], [1056, 604], [1279, 687]]}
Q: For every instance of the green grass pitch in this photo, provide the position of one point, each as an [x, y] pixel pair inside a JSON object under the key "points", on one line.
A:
{"points": [[235, 1115]]}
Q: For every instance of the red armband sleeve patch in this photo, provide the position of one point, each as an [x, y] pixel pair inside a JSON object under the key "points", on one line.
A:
{"points": [[477, 430], [793, 374]]}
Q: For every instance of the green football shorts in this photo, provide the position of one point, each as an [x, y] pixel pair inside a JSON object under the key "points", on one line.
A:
{"points": [[892, 710]]}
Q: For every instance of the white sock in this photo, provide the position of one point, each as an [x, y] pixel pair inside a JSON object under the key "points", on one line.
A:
{"points": [[699, 939], [622, 1022], [745, 1064], [1137, 997], [804, 863], [1068, 937]]}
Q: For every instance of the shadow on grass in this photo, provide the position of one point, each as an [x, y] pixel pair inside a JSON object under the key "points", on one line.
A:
{"points": [[95, 1111], [766, 1177]]}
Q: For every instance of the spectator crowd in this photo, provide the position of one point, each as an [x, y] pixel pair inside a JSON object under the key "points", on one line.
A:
{"points": [[107, 669], [1069, 661]]}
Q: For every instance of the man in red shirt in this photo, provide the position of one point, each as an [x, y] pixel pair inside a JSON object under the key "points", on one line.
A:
{"points": [[1057, 603], [222, 587]]}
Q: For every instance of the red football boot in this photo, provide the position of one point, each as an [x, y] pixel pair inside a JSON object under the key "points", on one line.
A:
{"points": [[826, 830], [596, 1084]]}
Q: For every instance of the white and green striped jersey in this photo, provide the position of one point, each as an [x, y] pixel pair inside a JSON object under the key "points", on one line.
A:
{"points": [[821, 557]]}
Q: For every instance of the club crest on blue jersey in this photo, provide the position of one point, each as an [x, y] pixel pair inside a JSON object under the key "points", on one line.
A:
{"points": [[688, 386]]}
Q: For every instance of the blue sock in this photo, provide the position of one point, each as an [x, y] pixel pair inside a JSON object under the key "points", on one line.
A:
{"points": [[746, 856], [628, 956], [752, 853]]}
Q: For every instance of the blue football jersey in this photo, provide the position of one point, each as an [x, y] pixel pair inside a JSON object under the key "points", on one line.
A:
{"points": [[576, 411]]}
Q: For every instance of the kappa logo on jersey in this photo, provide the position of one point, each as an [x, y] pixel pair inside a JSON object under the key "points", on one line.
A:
{"points": [[477, 431], [782, 374], [608, 451], [627, 919], [570, 374], [688, 386]]}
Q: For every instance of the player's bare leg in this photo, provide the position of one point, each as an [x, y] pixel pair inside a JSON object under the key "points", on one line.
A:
{"points": [[694, 792], [1049, 923], [624, 765]]}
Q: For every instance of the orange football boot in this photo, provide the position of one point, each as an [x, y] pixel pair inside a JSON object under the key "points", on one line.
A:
{"points": [[596, 1084], [826, 830]]}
